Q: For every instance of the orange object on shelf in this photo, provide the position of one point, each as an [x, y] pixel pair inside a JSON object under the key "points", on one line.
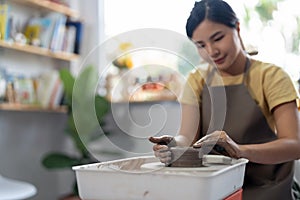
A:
{"points": [[235, 196]]}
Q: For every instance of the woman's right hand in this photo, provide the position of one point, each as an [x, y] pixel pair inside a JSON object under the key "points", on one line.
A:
{"points": [[161, 147]]}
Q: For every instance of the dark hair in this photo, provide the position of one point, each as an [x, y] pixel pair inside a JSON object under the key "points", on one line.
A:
{"points": [[214, 10]]}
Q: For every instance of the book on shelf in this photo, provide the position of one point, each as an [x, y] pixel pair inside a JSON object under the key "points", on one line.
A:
{"points": [[17, 88], [36, 30], [43, 29], [69, 39], [56, 94], [48, 88], [55, 32], [24, 91], [2, 85], [4, 21], [45, 91], [58, 33], [78, 34]]}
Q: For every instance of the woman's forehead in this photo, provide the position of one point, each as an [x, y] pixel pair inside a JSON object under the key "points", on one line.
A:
{"points": [[207, 29]]}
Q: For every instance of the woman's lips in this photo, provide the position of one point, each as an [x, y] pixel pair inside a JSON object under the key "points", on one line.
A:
{"points": [[219, 61]]}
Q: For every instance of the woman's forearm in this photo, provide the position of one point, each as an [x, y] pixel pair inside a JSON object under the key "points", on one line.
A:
{"points": [[183, 141], [278, 151]]}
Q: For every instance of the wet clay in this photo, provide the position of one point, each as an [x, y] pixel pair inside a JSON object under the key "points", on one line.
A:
{"points": [[185, 157]]}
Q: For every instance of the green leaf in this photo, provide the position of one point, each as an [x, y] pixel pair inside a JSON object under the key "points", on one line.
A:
{"points": [[101, 107], [68, 82], [265, 9], [59, 160], [85, 85], [77, 140], [84, 96]]}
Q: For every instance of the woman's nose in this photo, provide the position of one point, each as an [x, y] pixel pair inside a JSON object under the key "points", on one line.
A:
{"points": [[212, 51]]}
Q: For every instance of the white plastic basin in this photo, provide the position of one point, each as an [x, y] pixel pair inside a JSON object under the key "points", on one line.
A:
{"points": [[128, 179]]}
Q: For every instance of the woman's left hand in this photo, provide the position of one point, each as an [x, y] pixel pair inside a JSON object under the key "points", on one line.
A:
{"points": [[219, 139]]}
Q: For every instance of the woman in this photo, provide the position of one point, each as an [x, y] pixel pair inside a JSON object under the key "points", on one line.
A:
{"points": [[258, 117]]}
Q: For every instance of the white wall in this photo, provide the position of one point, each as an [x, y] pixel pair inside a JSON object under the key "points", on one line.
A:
{"points": [[25, 137]]}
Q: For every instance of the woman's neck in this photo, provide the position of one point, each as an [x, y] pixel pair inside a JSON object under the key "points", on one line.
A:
{"points": [[237, 67]]}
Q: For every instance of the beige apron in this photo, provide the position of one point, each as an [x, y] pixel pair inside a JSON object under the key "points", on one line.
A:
{"points": [[244, 122]]}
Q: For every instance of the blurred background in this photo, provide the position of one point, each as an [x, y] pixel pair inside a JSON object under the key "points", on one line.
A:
{"points": [[29, 130]]}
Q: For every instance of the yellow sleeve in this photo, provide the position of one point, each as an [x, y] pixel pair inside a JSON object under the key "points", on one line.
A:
{"points": [[278, 87], [192, 88]]}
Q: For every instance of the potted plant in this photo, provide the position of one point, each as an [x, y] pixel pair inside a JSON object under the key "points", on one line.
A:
{"points": [[78, 93]]}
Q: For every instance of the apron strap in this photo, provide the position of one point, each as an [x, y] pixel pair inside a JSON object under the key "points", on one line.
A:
{"points": [[246, 70], [210, 76]]}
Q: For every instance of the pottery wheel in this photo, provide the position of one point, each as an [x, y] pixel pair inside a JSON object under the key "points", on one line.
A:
{"points": [[203, 168]]}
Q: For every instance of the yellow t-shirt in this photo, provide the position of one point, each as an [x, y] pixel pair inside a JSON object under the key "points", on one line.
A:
{"points": [[269, 86]]}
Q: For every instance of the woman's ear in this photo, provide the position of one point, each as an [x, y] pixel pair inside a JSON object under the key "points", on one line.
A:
{"points": [[237, 26]]}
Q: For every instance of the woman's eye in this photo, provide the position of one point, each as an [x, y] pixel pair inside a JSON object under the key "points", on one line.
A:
{"points": [[199, 45], [219, 38]]}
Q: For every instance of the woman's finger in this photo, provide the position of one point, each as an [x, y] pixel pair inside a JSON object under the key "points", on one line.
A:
{"points": [[163, 154], [160, 147], [155, 139], [165, 139], [214, 136], [166, 160], [203, 139], [206, 142], [230, 147], [229, 151]]}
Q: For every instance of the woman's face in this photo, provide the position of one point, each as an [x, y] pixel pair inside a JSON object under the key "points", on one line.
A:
{"points": [[218, 42]]}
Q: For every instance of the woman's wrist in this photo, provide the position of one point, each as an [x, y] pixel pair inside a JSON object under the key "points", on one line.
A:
{"points": [[244, 151], [182, 141], [172, 143]]}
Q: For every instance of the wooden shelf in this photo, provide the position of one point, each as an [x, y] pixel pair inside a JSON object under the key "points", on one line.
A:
{"points": [[51, 6], [39, 51], [31, 108]]}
